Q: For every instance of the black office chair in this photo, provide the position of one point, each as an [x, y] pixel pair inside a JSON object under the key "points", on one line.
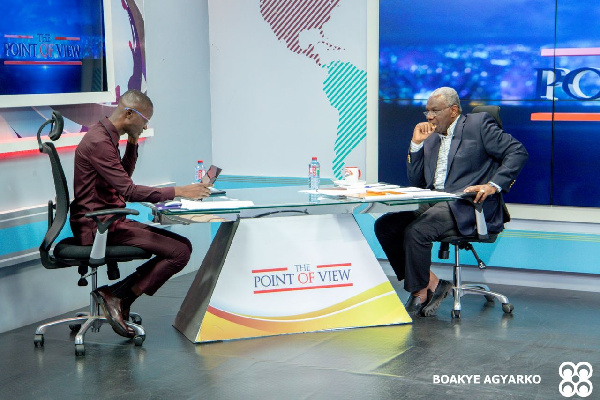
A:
{"points": [[67, 253], [464, 243]]}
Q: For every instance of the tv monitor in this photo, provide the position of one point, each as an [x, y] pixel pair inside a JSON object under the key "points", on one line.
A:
{"points": [[55, 52]]}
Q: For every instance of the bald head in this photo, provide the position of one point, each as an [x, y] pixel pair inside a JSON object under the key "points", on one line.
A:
{"points": [[136, 99], [132, 113]]}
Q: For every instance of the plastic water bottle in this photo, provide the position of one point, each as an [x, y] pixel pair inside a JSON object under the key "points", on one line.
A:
{"points": [[314, 174], [200, 172]]}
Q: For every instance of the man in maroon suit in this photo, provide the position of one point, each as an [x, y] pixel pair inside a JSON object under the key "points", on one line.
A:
{"points": [[102, 180]]}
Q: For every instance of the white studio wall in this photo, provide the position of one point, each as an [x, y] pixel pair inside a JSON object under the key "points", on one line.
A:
{"points": [[288, 82]]}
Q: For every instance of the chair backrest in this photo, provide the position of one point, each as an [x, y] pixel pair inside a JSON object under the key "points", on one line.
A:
{"points": [[58, 210], [494, 111]]}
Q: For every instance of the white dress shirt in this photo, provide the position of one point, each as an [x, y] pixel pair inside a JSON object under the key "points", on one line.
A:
{"points": [[441, 169]]}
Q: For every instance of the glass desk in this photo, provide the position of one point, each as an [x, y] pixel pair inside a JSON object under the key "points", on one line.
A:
{"points": [[289, 263], [286, 201]]}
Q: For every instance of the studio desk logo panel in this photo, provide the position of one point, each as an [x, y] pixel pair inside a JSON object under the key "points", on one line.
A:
{"points": [[308, 274]]}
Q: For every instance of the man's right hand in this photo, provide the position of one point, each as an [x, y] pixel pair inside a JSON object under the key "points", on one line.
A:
{"points": [[193, 191], [422, 131]]}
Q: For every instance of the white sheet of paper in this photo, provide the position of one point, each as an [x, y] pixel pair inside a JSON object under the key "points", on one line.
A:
{"points": [[214, 205], [334, 192], [431, 193]]}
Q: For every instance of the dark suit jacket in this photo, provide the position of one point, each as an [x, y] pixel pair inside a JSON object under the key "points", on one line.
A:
{"points": [[480, 152]]}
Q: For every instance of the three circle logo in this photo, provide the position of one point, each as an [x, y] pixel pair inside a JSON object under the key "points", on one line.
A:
{"points": [[576, 379]]}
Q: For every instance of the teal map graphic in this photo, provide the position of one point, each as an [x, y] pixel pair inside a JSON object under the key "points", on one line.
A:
{"points": [[346, 89]]}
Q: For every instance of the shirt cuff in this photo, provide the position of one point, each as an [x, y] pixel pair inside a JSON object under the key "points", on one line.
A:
{"points": [[167, 193], [415, 147], [498, 188]]}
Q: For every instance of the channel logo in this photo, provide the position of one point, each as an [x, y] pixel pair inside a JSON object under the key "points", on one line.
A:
{"points": [[575, 379], [550, 79]]}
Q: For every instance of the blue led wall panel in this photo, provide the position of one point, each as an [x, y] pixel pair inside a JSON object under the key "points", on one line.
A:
{"points": [[537, 59]]}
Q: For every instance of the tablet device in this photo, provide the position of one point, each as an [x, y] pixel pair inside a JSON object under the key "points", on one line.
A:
{"points": [[210, 177], [212, 174]]}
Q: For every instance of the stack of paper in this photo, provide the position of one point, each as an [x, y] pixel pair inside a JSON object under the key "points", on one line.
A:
{"points": [[379, 192]]}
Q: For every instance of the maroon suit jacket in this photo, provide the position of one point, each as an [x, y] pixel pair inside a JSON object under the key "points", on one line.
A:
{"points": [[102, 179]]}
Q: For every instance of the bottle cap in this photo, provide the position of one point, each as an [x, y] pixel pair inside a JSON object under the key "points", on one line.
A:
{"points": [[314, 158], [200, 161]]}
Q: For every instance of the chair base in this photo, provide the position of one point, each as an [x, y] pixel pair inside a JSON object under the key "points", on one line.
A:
{"points": [[477, 288], [93, 320], [82, 324], [459, 289]]}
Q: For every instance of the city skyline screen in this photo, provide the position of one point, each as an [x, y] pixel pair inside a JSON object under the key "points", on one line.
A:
{"points": [[538, 60]]}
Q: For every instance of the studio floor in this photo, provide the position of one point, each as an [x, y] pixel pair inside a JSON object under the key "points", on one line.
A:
{"points": [[548, 327]]}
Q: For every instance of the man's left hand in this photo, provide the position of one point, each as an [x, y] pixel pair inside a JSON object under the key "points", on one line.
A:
{"points": [[483, 191], [133, 138]]}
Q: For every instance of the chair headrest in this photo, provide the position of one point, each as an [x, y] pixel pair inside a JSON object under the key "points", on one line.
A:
{"points": [[494, 111], [56, 123]]}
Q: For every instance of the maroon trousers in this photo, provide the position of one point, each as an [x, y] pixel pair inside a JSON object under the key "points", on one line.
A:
{"points": [[172, 252]]}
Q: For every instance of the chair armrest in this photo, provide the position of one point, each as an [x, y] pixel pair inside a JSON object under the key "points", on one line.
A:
{"points": [[116, 214], [109, 211], [97, 255], [482, 231]]}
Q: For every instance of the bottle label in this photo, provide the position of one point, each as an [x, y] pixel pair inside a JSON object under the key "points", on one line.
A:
{"points": [[314, 171], [200, 174]]}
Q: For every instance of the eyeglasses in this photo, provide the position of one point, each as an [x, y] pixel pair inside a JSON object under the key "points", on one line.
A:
{"points": [[435, 113], [138, 113]]}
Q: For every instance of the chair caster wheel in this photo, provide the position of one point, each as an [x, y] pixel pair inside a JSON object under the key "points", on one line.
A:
{"points": [[138, 339], [455, 314], [507, 308], [74, 327], [79, 350], [38, 340]]}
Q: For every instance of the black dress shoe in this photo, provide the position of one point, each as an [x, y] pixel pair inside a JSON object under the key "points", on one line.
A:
{"points": [[441, 292], [125, 313], [126, 306], [413, 306], [111, 305]]}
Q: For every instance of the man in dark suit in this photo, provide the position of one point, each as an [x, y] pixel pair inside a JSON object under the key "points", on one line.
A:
{"points": [[453, 153]]}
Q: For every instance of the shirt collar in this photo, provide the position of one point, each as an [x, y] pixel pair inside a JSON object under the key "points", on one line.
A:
{"points": [[111, 130], [450, 131]]}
